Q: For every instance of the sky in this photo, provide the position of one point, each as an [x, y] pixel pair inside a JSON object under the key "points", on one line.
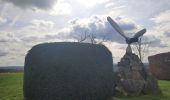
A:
{"points": [[25, 23]]}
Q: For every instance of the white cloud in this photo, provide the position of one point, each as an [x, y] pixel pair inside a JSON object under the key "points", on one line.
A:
{"points": [[42, 24], [91, 3], [110, 5], [3, 52], [162, 24], [8, 38], [2, 20], [61, 8], [154, 41], [99, 27], [163, 17], [9, 42], [37, 26], [30, 39], [159, 33]]}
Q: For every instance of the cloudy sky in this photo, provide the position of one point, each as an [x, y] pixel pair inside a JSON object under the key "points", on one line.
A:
{"points": [[25, 23]]}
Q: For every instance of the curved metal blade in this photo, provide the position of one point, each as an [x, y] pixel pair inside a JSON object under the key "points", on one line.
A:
{"points": [[116, 27], [140, 33]]}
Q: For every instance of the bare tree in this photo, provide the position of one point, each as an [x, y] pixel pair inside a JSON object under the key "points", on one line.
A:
{"points": [[92, 38], [83, 38], [141, 48], [103, 40]]}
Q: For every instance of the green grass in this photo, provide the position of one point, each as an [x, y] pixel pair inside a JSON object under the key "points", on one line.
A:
{"points": [[11, 86], [11, 89]]}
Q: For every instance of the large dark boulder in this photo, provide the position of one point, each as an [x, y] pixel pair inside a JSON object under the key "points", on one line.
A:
{"points": [[68, 71]]}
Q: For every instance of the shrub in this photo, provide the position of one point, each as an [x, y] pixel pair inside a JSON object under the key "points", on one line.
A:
{"points": [[68, 71]]}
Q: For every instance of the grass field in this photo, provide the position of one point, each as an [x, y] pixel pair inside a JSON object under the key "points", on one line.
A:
{"points": [[11, 89], [11, 86]]}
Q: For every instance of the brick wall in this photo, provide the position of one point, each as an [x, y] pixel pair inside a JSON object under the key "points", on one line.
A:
{"points": [[160, 65]]}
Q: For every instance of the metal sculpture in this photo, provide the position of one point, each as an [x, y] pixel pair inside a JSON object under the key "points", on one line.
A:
{"points": [[129, 40]]}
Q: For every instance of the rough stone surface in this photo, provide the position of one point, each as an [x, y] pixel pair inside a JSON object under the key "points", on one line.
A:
{"points": [[151, 85], [131, 73], [133, 79], [68, 71], [160, 65]]}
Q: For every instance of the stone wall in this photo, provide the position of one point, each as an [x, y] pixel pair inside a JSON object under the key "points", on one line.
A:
{"points": [[160, 65]]}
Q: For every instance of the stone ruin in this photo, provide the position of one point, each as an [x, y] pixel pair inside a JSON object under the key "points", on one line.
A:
{"points": [[160, 65], [68, 71], [133, 78]]}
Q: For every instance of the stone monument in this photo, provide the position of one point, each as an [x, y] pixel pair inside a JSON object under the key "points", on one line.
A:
{"points": [[132, 77], [131, 73]]}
